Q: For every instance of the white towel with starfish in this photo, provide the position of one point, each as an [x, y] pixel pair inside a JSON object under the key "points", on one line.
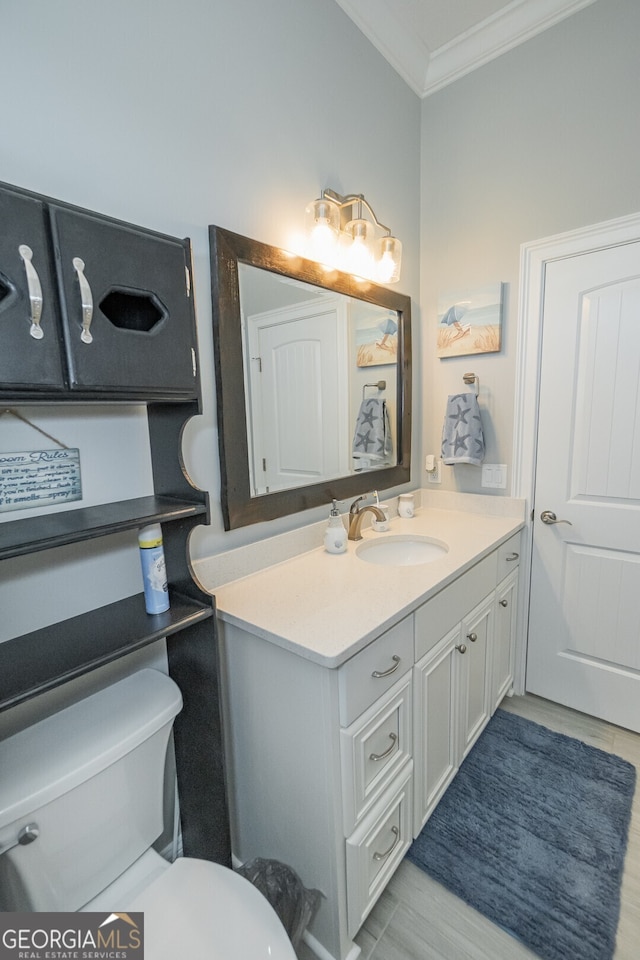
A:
{"points": [[372, 439], [462, 436]]}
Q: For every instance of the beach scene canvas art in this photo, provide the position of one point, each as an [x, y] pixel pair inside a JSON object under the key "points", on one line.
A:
{"points": [[470, 321], [376, 340]]}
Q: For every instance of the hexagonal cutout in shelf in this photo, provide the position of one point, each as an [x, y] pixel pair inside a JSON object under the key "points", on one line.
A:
{"points": [[133, 310], [5, 289]]}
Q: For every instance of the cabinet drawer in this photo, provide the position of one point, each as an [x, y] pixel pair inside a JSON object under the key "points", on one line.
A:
{"points": [[508, 556], [373, 749], [439, 615], [371, 672], [376, 848]]}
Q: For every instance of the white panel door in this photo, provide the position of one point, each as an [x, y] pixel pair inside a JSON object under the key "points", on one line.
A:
{"points": [[584, 634]]}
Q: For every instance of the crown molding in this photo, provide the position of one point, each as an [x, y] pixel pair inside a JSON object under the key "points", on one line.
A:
{"points": [[516, 23], [426, 72]]}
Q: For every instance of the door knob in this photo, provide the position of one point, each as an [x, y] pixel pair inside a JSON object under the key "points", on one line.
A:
{"points": [[548, 516]]}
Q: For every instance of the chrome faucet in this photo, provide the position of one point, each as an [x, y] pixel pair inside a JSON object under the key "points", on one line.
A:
{"points": [[356, 513]]}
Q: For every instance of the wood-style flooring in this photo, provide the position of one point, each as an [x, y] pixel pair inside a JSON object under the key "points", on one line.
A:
{"points": [[417, 919]]}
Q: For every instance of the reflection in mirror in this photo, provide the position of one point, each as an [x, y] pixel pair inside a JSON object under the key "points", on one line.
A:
{"points": [[313, 380], [316, 408]]}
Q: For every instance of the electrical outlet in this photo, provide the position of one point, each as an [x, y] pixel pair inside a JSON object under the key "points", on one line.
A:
{"points": [[435, 475], [494, 475]]}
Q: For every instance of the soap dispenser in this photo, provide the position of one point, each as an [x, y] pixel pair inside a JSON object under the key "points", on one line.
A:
{"points": [[335, 538]]}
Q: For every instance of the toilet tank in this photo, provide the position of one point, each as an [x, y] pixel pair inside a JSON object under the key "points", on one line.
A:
{"points": [[91, 778]]}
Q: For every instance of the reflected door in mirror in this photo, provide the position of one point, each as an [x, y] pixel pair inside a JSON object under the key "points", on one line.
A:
{"points": [[298, 402]]}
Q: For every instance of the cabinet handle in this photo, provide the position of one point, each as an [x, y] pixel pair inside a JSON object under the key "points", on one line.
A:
{"points": [[396, 837], [504, 603], [387, 673], [512, 556], [472, 636], [383, 756], [35, 291], [87, 301], [461, 647]]}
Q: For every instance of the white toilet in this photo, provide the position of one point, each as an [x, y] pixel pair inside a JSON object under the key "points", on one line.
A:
{"points": [[87, 783]]}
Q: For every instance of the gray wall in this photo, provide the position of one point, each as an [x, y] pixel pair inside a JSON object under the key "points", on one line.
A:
{"points": [[543, 140], [177, 115]]}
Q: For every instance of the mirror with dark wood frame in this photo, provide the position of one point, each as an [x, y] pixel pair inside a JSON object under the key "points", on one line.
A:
{"points": [[243, 409]]}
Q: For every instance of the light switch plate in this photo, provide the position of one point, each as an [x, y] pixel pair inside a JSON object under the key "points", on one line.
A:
{"points": [[494, 475]]}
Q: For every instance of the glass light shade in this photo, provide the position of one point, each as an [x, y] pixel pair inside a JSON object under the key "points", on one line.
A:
{"points": [[323, 228], [390, 260], [359, 255]]}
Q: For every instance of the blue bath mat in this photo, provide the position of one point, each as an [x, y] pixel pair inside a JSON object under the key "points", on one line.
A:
{"points": [[532, 833]]}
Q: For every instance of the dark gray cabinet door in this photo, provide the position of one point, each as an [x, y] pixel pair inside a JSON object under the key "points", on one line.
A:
{"points": [[126, 310], [30, 350]]}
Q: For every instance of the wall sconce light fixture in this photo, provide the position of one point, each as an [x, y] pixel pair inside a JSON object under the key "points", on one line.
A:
{"points": [[340, 236]]}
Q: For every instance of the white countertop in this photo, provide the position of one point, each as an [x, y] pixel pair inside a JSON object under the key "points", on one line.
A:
{"points": [[327, 607]]}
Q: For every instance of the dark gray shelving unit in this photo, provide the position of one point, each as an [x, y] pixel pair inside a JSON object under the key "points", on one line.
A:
{"points": [[46, 658], [49, 657], [43, 533]]}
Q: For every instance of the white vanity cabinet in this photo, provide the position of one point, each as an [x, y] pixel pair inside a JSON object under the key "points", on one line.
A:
{"points": [[437, 753], [506, 608], [376, 752], [475, 673], [452, 684], [321, 770], [463, 669], [334, 770]]}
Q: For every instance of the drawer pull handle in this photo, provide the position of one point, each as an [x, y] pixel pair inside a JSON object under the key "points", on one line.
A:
{"points": [[504, 603], [396, 837], [461, 647], [472, 636], [35, 291], [512, 556], [383, 756], [377, 674], [87, 300]]}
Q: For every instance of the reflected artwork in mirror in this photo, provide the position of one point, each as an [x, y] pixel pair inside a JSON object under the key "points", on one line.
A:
{"points": [[313, 381]]}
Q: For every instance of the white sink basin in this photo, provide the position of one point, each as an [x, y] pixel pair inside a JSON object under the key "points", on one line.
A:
{"points": [[401, 551]]}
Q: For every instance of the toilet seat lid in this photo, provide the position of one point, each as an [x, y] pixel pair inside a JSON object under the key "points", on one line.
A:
{"points": [[205, 911]]}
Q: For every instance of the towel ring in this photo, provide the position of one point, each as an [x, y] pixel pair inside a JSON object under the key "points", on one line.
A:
{"points": [[472, 378], [380, 385]]}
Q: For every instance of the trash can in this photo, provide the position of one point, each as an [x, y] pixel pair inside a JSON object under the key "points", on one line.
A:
{"points": [[280, 884]]}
